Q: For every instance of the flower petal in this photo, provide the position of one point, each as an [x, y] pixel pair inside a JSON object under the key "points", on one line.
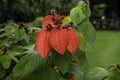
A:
{"points": [[59, 40], [42, 44], [73, 41], [47, 20]]}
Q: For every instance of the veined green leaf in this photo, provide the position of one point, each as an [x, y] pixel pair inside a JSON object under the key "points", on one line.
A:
{"points": [[81, 61], [88, 31], [96, 73], [85, 8], [63, 63], [82, 41], [45, 73], [5, 60], [2, 71], [80, 65], [66, 20], [27, 64], [77, 16]]}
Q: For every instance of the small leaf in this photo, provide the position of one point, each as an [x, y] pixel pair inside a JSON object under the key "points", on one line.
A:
{"points": [[27, 64], [5, 60], [88, 31], [96, 73], [63, 63], [66, 20]]}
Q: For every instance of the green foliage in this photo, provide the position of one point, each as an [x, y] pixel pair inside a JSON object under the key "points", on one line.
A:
{"points": [[2, 71], [66, 20], [45, 73], [96, 73], [88, 31], [80, 18], [18, 53], [31, 62], [5, 60], [63, 63], [82, 41], [27, 10], [80, 66]]}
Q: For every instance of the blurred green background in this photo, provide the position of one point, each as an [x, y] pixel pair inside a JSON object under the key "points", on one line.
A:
{"points": [[105, 17]]}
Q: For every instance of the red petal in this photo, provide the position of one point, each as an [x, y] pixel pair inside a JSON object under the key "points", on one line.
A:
{"points": [[42, 44], [47, 20], [73, 41], [59, 40]]}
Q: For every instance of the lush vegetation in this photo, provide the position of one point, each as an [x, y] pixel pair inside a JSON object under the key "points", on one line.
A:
{"points": [[19, 59], [27, 10]]}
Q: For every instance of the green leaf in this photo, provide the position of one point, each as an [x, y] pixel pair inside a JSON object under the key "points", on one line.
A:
{"points": [[82, 41], [66, 20], [88, 31], [86, 11], [2, 71], [63, 63], [10, 77], [45, 73], [114, 73], [3, 42], [96, 73], [81, 60], [78, 75], [77, 16], [5, 60], [85, 8], [29, 48], [11, 28], [27, 64]]}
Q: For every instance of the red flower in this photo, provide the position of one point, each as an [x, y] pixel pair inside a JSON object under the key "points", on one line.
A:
{"points": [[59, 40], [55, 36], [42, 44]]}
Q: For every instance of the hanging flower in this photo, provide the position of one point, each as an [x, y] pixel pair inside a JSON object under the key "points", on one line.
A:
{"points": [[56, 36]]}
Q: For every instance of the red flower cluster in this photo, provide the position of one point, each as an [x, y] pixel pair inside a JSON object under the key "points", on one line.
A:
{"points": [[56, 36]]}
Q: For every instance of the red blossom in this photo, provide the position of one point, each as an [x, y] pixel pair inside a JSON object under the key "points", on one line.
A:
{"points": [[56, 36], [42, 44], [59, 40], [73, 42]]}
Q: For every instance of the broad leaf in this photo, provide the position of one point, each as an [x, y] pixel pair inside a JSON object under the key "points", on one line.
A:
{"points": [[85, 8], [11, 28], [66, 20], [2, 71], [45, 73], [63, 62], [77, 16], [80, 65], [27, 64], [78, 75], [114, 73], [5, 60], [88, 31], [82, 41], [96, 74], [81, 60]]}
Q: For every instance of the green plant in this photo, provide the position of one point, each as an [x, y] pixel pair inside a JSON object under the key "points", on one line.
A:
{"points": [[19, 59]]}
